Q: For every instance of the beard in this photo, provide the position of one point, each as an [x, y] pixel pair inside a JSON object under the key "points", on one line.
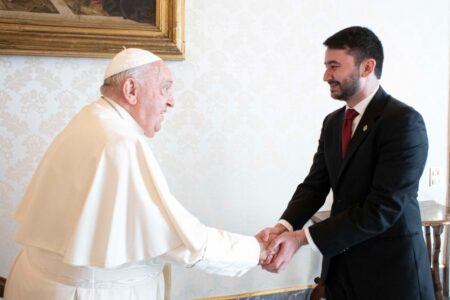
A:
{"points": [[348, 87]]}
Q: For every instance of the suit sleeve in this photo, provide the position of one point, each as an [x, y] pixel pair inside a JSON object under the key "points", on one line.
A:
{"points": [[309, 195], [402, 147]]}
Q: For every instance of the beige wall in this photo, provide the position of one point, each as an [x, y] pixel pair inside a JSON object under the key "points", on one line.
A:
{"points": [[250, 103]]}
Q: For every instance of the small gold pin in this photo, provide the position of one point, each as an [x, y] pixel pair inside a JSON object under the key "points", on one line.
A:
{"points": [[365, 128]]}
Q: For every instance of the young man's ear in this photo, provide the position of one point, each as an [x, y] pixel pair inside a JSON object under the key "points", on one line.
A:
{"points": [[129, 89], [367, 67]]}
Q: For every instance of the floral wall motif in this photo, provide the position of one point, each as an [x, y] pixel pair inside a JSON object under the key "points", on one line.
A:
{"points": [[250, 101]]}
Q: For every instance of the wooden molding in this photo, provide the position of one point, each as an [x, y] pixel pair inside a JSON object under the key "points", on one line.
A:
{"points": [[95, 36]]}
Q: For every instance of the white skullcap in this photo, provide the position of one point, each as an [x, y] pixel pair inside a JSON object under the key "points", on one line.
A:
{"points": [[128, 59]]}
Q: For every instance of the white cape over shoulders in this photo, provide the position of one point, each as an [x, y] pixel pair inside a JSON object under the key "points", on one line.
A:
{"points": [[98, 219], [99, 198]]}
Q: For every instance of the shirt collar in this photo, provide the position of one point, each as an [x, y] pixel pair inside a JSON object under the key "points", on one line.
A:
{"points": [[123, 114], [361, 106]]}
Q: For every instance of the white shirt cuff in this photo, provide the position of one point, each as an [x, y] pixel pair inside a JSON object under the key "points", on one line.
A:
{"points": [[286, 224], [229, 254], [308, 236], [310, 240]]}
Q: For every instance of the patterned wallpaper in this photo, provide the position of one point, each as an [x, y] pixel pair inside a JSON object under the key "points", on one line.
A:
{"points": [[249, 105]]}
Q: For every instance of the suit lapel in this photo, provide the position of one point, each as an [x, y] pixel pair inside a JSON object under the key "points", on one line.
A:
{"points": [[368, 120]]}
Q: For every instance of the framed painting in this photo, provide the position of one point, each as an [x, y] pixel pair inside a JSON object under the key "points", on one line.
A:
{"points": [[92, 28]]}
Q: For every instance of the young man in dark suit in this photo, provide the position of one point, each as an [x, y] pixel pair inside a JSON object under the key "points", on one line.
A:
{"points": [[371, 154]]}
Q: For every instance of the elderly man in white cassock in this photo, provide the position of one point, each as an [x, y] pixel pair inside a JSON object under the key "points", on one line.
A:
{"points": [[98, 220]]}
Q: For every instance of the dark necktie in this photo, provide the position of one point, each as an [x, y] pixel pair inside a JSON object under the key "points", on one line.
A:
{"points": [[350, 114]]}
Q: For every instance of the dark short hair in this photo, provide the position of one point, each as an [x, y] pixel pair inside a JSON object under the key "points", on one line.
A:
{"points": [[361, 43]]}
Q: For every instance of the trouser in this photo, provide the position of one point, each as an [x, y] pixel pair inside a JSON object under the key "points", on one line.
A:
{"points": [[342, 283], [338, 285]]}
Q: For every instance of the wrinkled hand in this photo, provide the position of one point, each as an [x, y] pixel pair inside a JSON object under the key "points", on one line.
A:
{"points": [[267, 235], [285, 246]]}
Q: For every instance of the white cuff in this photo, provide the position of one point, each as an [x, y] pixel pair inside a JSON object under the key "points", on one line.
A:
{"points": [[308, 236], [229, 254], [286, 224]]}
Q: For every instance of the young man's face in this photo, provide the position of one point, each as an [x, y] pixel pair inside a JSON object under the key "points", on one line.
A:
{"points": [[341, 73]]}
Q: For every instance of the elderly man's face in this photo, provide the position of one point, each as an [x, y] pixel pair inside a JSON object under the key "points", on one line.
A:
{"points": [[155, 98]]}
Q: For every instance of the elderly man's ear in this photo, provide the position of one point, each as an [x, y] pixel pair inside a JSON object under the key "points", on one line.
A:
{"points": [[129, 88]]}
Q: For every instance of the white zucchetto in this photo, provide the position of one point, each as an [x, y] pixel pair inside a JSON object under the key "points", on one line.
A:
{"points": [[128, 59]]}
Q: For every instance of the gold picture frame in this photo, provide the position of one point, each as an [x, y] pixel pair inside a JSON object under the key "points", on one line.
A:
{"points": [[85, 36]]}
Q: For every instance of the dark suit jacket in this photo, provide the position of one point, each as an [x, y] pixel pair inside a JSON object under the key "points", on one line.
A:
{"points": [[375, 224]]}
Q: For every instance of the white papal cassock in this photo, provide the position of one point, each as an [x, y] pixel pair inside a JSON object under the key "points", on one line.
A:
{"points": [[98, 220]]}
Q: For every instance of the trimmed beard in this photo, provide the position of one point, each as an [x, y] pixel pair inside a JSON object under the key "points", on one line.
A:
{"points": [[349, 86]]}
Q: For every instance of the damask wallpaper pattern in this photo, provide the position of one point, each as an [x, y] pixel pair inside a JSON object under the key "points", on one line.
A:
{"points": [[249, 106]]}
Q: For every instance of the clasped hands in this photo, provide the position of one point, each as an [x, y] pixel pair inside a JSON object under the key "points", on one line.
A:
{"points": [[278, 245]]}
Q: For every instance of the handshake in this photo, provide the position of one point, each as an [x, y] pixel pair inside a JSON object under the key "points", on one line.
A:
{"points": [[278, 246]]}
